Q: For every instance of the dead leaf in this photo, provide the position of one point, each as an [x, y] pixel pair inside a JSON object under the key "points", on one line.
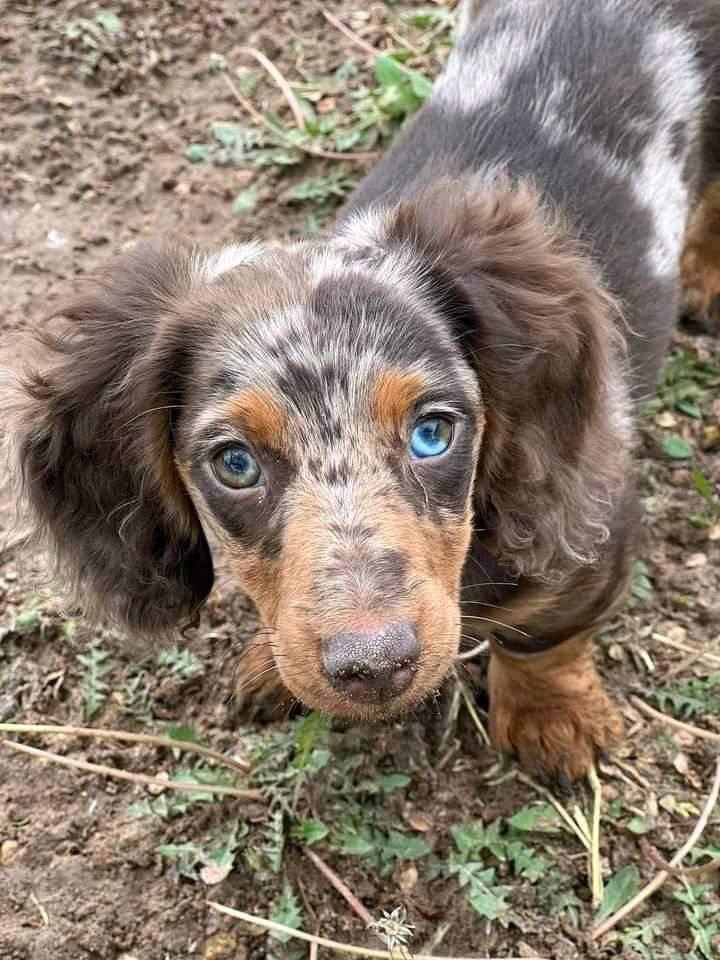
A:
{"points": [[681, 763], [419, 821], [213, 873], [408, 880]]}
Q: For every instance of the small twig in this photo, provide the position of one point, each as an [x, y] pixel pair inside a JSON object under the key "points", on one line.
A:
{"points": [[637, 778], [358, 41], [402, 41], [467, 697], [672, 722], [688, 873], [450, 724], [41, 910], [248, 107], [475, 652], [309, 906], [575, 827], [282, 83], [150, 738], [596, 878], [437, 936], [581, 820], [341, 887], [686, 648], [448, 755], [641, 656], [350, 34], [659, 879], [132, 777], [313, 950], [331, 944]]}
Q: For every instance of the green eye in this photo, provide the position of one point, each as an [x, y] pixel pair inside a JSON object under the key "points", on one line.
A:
{"points": [[236, 468]]}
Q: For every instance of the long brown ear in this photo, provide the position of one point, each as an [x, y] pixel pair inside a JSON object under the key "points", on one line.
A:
{"points": [[543, 337], [94, 445]]}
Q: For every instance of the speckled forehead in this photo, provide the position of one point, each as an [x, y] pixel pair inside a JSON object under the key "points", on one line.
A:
{"points": [[317, 343], [343, 321]]}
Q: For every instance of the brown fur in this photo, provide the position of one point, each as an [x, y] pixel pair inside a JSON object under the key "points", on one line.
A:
{"points": [[95, 419], [259, 413], [541, 326], [700, 262], [551, 710], [435, 556], [393, 397], [535, 326]]}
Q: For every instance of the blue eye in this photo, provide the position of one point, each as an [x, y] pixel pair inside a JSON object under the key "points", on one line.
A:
{"points": [[236, 468], [431, 437]]}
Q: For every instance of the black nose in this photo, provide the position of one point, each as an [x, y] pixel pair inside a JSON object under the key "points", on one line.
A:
{"points": [[374, 665]]}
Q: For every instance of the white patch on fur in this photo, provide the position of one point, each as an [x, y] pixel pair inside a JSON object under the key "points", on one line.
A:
{"points": [[207, 267], [467, 13], [619, 406], [670, 54], [476, 74], [398, 266], [325, 264], [366, 228]]}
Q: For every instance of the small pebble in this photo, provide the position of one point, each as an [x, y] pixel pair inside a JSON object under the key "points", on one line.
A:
{"points": [[680, 477], [666, 419], [8, 852]]}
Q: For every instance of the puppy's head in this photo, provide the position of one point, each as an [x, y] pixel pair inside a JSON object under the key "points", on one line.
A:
{"points": [[335, 413]]}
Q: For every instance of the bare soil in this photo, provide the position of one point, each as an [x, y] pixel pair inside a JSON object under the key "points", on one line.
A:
{"points": [[92, 156]]}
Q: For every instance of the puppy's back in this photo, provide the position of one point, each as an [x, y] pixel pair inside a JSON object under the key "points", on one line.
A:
{"points": [[598, 102]]}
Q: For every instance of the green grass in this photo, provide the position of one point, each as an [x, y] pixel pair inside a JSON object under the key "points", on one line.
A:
{"points": [[344, 112], [687, 383], [697, 697], [93, 684]]}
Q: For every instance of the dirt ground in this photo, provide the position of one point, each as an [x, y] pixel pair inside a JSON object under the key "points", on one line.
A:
{"points": [[95, 129]]}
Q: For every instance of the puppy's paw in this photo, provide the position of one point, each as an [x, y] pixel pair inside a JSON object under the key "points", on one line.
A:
{"points": [[701, 290], [555, 721], [259, 693], [560, 742]]}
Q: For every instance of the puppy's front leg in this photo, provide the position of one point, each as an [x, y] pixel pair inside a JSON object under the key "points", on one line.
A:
{"points": [[700, 261], [550, 709]]}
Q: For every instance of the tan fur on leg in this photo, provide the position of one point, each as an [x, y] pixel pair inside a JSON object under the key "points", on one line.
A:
{"points": [[550, 709], [700, 261]]}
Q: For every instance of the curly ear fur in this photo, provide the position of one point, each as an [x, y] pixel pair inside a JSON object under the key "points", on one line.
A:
{"points": [[543, 336], [94, 447]]}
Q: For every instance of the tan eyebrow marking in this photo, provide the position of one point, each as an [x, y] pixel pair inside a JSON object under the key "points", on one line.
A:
{"points": [[394, 393], [260, 413]]}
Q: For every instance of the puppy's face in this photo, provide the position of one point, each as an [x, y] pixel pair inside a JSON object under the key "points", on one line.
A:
{"points": [[320, 408], [330, 439]]}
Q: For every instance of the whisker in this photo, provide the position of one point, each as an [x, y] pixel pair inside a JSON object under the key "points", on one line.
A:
{"points": [[499, 623], [484, 603], [489, 583], [249, 681], [144, 413]]}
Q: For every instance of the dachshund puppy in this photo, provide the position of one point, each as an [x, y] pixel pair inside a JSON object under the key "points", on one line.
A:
{"points": [[420, 427]]}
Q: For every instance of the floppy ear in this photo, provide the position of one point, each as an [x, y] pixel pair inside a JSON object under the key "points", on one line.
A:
{"points": [[95, 446], [542, 335]]}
